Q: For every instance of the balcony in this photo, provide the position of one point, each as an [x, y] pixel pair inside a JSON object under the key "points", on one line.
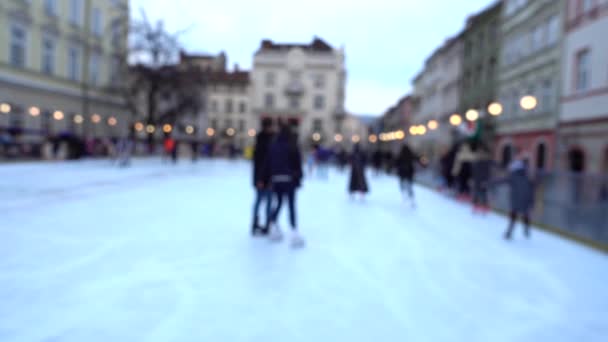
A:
{"points": [[294, 88]]}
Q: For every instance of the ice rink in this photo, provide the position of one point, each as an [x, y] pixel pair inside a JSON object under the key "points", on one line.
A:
{"points": [[90, 252]]}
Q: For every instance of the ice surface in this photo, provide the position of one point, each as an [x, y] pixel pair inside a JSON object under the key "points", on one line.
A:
{"points": [[157, 252]]}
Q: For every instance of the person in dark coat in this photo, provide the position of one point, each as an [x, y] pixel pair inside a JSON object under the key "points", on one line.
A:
{"points": [[377, 161], [521, 195], [284, 167], [358, 183], [261, 181], [405, 165], [482, 172]]}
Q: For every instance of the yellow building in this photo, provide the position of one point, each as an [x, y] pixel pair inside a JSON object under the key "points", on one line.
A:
{"points": [[58, 62]]}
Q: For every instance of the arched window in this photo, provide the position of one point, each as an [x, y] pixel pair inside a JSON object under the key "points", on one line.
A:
{"points": [[507, 155], [541, 155], [576, 159]]}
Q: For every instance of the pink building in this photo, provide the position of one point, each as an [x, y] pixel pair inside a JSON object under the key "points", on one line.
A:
{"points": [[583, 124]]}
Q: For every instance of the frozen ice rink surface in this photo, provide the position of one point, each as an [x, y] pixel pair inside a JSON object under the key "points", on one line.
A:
{"points": [[156, 252]]}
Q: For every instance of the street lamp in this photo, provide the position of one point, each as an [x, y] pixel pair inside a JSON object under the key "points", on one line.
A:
{"points": [[400, 134], [96, 118], [58, 115], [5, 108], [112, 121], [433, 125], [414, 130], [528, 102], [150, 129], [455, 120], [139, 126], [210, 132], [356, 139], [230, 131], [421, 130], [495, 109], [316, 137], [472, 115], [167, 128], [373, 138], [251, 132], [338, 137], [34, 111], [78, 119]]}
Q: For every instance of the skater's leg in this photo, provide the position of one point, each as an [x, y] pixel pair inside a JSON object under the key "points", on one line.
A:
{"points": [[268, 197], [410, 188], [256, 208], [277, 210], [513, 218], [527, 224], [291, 198]]}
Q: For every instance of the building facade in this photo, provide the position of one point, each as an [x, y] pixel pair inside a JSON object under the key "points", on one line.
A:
{"points": [[530, 65], [482, 42], [583, 126], [58, 60], [303, 84]]}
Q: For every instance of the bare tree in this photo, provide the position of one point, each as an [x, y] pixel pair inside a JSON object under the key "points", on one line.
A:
{"points": [[157, 90]]}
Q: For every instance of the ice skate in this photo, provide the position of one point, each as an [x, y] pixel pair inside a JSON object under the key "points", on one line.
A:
{"points": [[297, 241], [275, 233]]}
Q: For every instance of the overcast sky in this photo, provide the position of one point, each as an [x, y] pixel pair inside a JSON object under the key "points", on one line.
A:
{"points": [[386, 41]]}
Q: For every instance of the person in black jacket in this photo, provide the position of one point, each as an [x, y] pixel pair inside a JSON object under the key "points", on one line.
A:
{"points": [[284, 167], [405, 169], [261, 181], [358, 182]]}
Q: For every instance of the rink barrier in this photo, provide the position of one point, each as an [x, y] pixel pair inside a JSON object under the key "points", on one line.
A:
{"points": [[426, 180]]}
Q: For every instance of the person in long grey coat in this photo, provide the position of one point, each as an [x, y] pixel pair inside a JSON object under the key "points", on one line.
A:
{"points": [[521, 194]]}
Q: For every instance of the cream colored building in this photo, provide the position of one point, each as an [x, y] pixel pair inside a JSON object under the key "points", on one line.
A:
{"points": [[583, 128], [303, 84], [58, 60]]}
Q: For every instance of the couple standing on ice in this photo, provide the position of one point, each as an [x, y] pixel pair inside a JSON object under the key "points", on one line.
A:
{"points": [[277, 174]]}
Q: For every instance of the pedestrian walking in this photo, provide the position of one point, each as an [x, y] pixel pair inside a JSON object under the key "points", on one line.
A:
{"points": [[406, 168], [284, 165], [358, 182], [377, 161], [521, 195], [462, 170], [481, 173], [261, 179]]}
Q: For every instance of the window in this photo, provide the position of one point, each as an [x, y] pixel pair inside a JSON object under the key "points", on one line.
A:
{"points": [[269, 100], [115, 73], [294, 102], [319, 102], [242, 107], [117, 33], [493, 32], [50, 7], [587, 6], [582, 69], [319, 81], [241, 125], [76, 12], [74, 63], [491, 70], [96, 21], [537, 38], [94, 62], [214, 123], [546, 95], [481, 41], [270, 79], [48, 56], [214, 106], [18, 49], [317, 125], [552, 30], [229, 106], [228, 123], [541, 151]]}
